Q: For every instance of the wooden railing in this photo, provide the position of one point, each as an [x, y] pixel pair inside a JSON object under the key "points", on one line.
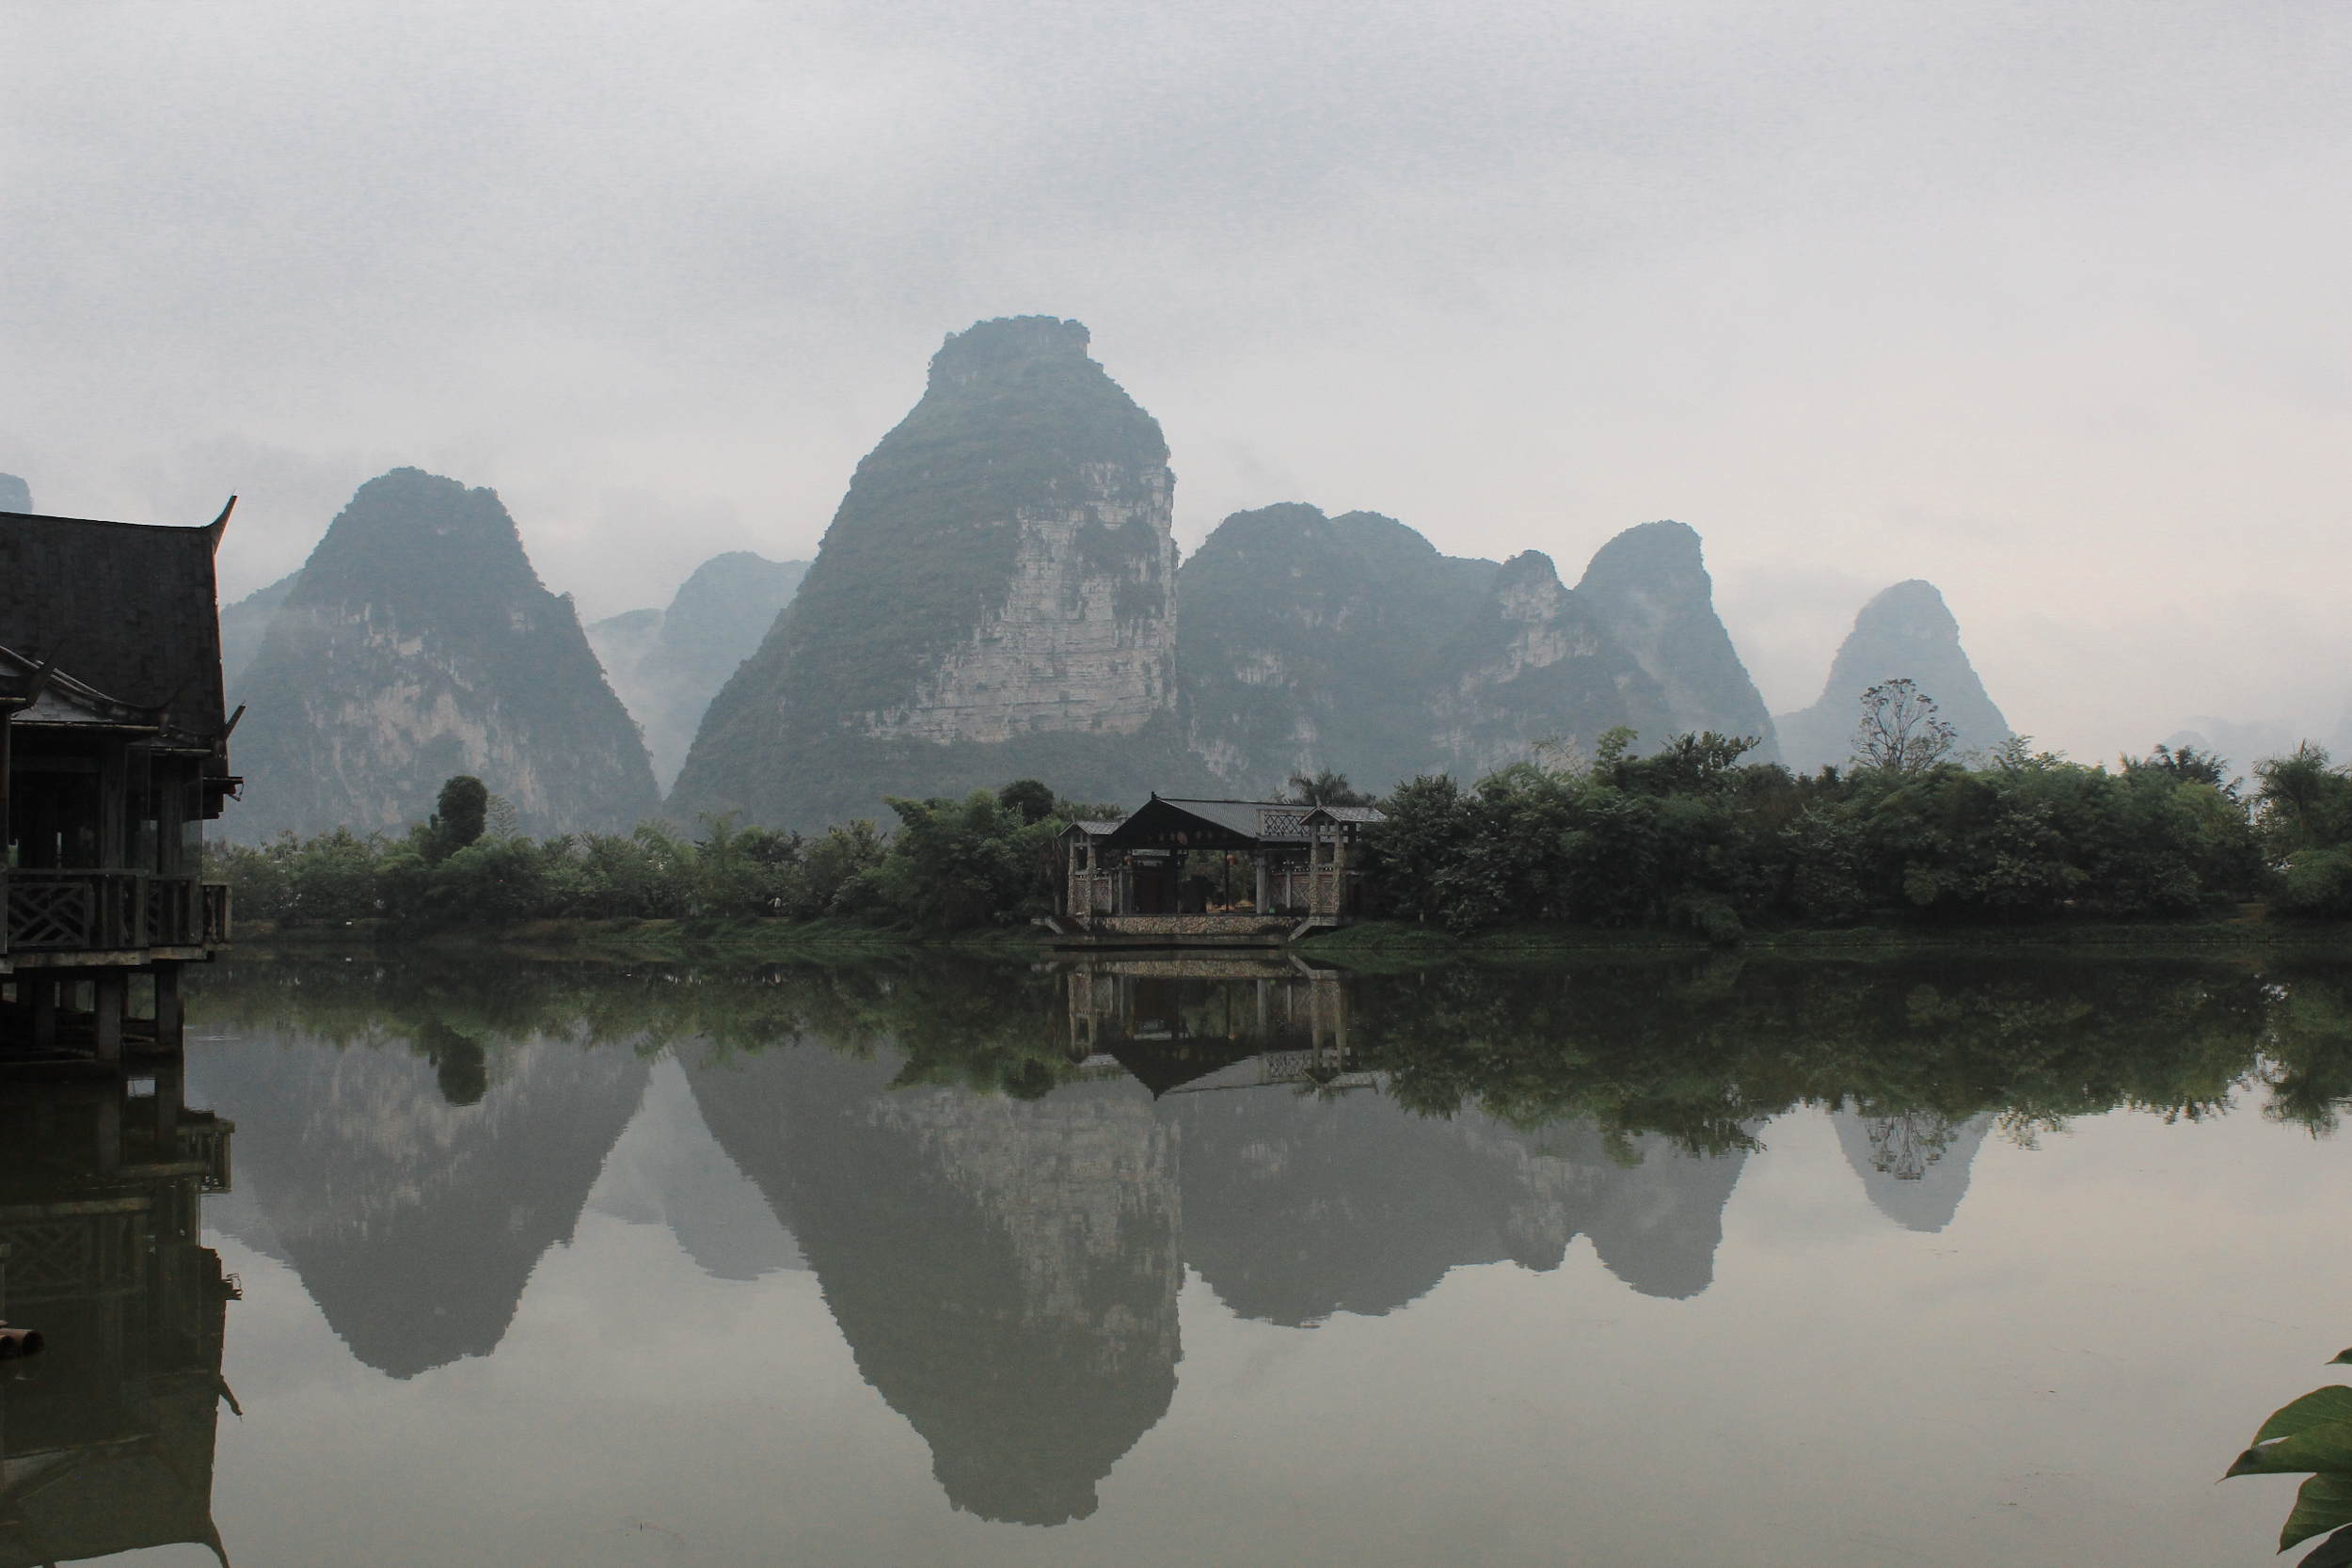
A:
{"points": [[111, 910]]}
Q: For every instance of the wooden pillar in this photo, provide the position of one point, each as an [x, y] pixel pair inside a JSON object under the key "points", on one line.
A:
{"points": [[1258, 859], [170, 1095], [169, 1017], [44, 1010], [112, 987], [109, 1130]]}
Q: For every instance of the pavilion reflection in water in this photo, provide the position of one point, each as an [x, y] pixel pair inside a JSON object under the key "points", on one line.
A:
{"points": [[106, 1438]]}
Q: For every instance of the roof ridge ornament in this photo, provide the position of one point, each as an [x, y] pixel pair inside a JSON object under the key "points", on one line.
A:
{"points": [[219, 525]]}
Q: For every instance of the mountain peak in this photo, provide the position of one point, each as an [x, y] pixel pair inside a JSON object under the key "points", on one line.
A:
{"points": [[418, 642], [1650, 589], [1906, 632], [994, 348]]}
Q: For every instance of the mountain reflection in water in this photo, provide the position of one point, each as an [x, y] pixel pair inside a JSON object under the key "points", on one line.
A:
{"points": [[1001, 1174]]}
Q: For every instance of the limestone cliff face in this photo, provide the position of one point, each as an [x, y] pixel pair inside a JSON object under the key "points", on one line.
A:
{"points": [[1907, 632], [1533, 664], [1649, 590], [418, 642], [1081, 640], [1306, 642], [1349, 643], [996, 596]]}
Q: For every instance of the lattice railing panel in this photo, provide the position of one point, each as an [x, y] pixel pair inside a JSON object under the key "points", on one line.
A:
{"points": [[86, 1255], [51, 915]]}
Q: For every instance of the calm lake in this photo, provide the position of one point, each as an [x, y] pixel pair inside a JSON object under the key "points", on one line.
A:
{"points": [[931, 1259]]}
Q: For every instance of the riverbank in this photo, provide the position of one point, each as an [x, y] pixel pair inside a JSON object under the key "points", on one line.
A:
{"points": [[628, 940], [759, 940], [2248, 929]]}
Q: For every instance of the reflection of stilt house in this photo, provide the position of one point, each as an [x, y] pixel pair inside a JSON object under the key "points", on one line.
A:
{"points": [[106, 1438], [1213, 873], [113, 754], [1184, 1025]]}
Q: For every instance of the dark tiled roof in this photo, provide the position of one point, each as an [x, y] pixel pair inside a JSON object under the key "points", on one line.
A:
{"points": [[1260, 821], [1349, 813], [133, 606]]}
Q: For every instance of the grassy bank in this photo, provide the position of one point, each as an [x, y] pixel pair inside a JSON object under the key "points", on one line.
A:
{"points": [[1385, 941], [625, 941], [2245, 931]]}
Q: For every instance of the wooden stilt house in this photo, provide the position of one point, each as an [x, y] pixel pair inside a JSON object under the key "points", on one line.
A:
{"points": [[113, 757]]}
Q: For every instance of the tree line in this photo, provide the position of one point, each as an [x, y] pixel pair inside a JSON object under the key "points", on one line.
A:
{"points": [[993, 857], [1701, 1049], [1692, 835]]}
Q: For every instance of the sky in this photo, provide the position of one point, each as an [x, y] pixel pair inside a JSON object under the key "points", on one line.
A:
{"points": [[2044, 303]]}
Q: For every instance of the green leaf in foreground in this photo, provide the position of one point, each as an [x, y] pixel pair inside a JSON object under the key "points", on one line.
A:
{"points": [[2323, 1505], [2334, 1552], [2342, 1358], [2317, 1408], [2326, 1447]]}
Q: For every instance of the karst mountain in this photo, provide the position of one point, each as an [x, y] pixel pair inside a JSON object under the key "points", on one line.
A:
{"points": [[1905, 633], [996, 597], [415, 644]]}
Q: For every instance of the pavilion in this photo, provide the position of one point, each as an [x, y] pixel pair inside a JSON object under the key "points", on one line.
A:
{"points": [[1213, 873]]}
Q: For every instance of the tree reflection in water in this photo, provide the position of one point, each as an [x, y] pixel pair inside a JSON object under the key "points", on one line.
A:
{"points": [[1001, 1172]]}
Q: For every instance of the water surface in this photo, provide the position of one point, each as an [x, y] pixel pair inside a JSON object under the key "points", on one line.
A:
{"points": [[1949, 1261]]}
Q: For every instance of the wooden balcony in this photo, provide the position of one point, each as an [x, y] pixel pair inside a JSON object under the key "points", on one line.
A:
{"points": [[58, 913]]}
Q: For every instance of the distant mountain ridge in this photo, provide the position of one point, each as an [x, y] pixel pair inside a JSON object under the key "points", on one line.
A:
{"points": [[1308, 641], [667, 664], [998, 596]]}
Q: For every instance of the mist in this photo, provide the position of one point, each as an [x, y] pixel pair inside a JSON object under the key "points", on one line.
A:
{"points": [[2038, 303]]}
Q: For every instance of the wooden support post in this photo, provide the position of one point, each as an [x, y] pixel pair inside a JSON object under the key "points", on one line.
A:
{"points": [[1258, 861], [170, 1095], [44, 1011], [168, 1025], [112, 987], [110, 1130]]}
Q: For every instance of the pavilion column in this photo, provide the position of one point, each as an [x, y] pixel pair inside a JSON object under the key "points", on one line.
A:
{"points": [[44, 1011], [109, 1130], [169, 1017], [170, 1095], [112, 987]]}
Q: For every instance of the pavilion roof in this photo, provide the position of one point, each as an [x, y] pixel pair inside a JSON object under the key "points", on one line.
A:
{"points": [[127, 610]]}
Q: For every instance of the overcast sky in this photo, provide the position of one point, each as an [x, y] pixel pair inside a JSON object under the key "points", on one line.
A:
{"points": [[2044, 303]]}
